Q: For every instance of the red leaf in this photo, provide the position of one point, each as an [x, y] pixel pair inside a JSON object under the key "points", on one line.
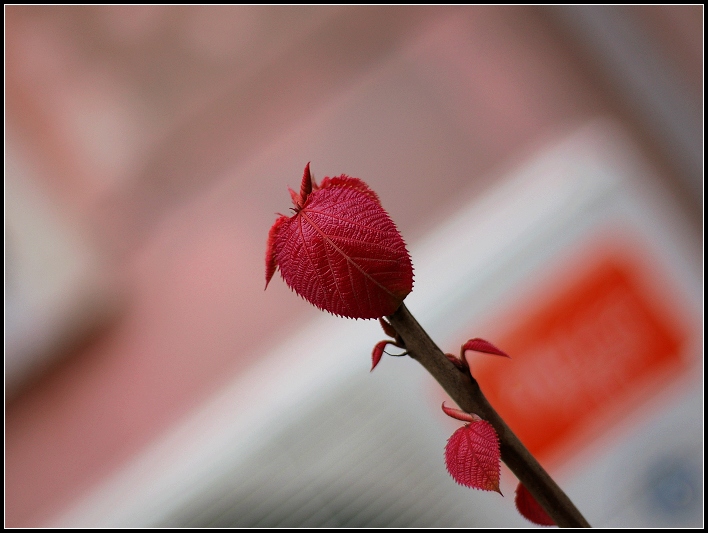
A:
{"points": [[480, 345], [530, 508], [458, 414], [340, 251], [378, 352], [388, 328], [461, 364], [472, 456]]}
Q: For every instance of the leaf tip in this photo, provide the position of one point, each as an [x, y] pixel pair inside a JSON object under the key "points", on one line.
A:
{"points": [[305, 185]]}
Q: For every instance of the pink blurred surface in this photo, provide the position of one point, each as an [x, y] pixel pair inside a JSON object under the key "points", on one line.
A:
{"points": [[152, 130]]}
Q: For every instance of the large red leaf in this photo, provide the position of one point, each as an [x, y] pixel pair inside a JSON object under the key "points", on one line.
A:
{"points": [[530, 508], [340, 250], [472, 455]]}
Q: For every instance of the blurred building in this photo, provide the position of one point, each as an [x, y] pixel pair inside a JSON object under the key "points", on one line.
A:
{"points": [[545, 165]]}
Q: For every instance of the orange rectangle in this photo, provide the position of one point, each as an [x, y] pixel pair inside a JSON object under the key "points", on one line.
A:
{"points": [[582, 353]]}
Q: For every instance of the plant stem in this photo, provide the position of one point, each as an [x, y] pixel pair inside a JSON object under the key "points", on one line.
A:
{"points": [[465, 391]]}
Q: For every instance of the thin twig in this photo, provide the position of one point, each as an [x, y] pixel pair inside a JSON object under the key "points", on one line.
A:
{"points": [[465, 391]]}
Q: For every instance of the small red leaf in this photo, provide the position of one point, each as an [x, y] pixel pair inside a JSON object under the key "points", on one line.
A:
{"points": [[472, 456], [271, 262], [378, 352], [305, 185], [295, 197], [480, 345], [461, 364], [530, 508], [388, 328], [341, 251], [458, 414]]}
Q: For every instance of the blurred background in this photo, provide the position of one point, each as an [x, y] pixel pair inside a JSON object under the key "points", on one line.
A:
{"points": [[544, 164]]}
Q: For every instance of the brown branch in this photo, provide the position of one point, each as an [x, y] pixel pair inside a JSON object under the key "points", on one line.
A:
{"points": [[465, 391]]}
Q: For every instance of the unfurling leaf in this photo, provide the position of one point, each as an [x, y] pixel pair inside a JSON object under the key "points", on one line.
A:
{"points": [[530, 508], [461, 364], [388, 328], [472, 455], [341, 251], [380, 346], [459, 414], [480, 345]]}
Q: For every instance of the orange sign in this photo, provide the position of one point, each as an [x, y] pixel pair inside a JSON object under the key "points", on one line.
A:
{"points": [[585, 352]]}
